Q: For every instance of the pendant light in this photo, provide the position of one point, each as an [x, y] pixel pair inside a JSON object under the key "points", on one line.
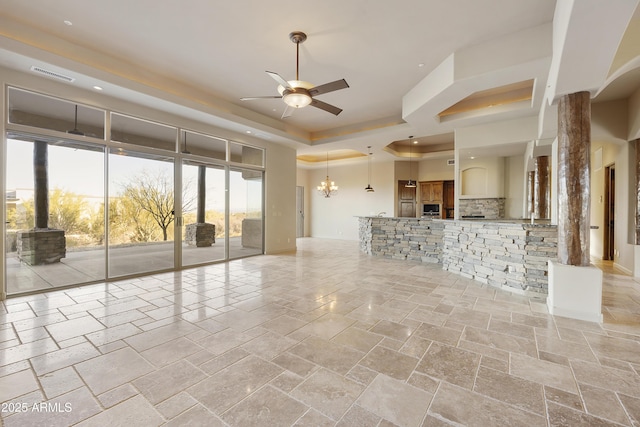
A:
{"points": [[369, 188], [327, 187], [410, 183], [184, 150], [75, 130]]}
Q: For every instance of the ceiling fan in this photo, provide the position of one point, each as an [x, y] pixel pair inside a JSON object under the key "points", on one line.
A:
{"points": [[297, 93]]}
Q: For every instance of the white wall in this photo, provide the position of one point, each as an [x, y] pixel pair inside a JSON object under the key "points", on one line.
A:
{"points": [[515, 179], [335, 217], [435, 170], [280, 199], [495, 176]]}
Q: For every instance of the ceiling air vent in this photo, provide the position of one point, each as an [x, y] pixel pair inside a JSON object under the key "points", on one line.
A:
{"points": [[451, 162], [52, 74]]}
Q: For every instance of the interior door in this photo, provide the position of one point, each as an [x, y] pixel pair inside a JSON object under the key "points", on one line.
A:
{"points": [[299, 211], [406, 200]]}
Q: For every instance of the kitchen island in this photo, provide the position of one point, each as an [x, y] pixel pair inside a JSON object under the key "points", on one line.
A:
{"points": [[509, 254]]}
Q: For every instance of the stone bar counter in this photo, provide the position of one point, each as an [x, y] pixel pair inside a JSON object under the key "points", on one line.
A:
{"points": [[508, 254]]}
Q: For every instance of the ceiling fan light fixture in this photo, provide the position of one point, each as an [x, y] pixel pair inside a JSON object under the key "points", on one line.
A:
{"points": [[296, 99]]}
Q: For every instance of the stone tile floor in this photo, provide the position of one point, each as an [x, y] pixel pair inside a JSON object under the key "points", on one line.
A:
{"points": [[326, 336]]}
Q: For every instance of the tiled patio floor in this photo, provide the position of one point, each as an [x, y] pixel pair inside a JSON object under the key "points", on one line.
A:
{"points": [[325, 336]]}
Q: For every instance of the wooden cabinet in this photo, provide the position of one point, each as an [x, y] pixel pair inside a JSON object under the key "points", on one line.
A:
{"points": [[448, 199], [431, 191]]}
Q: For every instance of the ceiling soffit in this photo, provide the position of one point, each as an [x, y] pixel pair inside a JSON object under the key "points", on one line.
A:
{"points": [[453, 93]]}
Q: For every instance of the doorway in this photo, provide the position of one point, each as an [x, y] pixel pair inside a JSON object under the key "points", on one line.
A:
{"points": [[299, 211], [406, 200], [609, 212]]}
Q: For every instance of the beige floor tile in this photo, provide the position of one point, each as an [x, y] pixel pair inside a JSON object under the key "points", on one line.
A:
{"points": [[266, 407], [59, 382], [62, 358], [318, 330], [357, 339], [463, 407], [176, 405], [604, 404], [329, 393], [328, 326], [171, 351], [225, 388], [113, 369], [17, 384], [632, 406], [132, 412], [269, 345], [389, 362], [327, 354], [395, 401], [542, 372], [314, 418], [617, 348], [560, 416], [161, 384], [515, 391], [450, 364], [606, 378], [67, 410]]}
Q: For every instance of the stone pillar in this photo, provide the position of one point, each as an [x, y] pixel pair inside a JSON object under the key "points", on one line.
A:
{"points": [[200, 234], [574, 175], [531, 179], [575, 287], [541, 187], [202, 193], [41, 184], [41, 245]]}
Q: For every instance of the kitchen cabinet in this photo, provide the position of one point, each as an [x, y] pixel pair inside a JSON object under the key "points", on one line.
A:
{"points": [[431, 191]]}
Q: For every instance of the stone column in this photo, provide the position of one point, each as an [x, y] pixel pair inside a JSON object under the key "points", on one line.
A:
{"points": [[200, 234], [41, 184], [41, 245], [541, 184], [202, 193], [574, 174], [531, 179]]}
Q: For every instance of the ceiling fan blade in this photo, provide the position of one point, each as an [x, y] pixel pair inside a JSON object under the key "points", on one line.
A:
{"points": [[251, 98], [328, 87], [326, 107], [287, 112], [280, 80]]}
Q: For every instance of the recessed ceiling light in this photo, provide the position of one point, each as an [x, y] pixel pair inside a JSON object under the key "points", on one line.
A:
{"points": [[415, 142], [472, 157], [248, 131], [68, 23], [97, 88], [420, 65]]}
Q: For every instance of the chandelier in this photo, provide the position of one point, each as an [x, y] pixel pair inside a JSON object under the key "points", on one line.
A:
{"points": [[327, 187]]}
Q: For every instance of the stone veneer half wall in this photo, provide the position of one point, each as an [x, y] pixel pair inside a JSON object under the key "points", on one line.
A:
{"points": [[509, 255]]}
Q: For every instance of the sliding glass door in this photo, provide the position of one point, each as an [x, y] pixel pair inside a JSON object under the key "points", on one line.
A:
{"points": [[245, 213], [141, 215], [54, 213], [204, 210]]}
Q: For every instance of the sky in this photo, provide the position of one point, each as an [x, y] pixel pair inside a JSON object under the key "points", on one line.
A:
{"points": [[81, 172]]}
